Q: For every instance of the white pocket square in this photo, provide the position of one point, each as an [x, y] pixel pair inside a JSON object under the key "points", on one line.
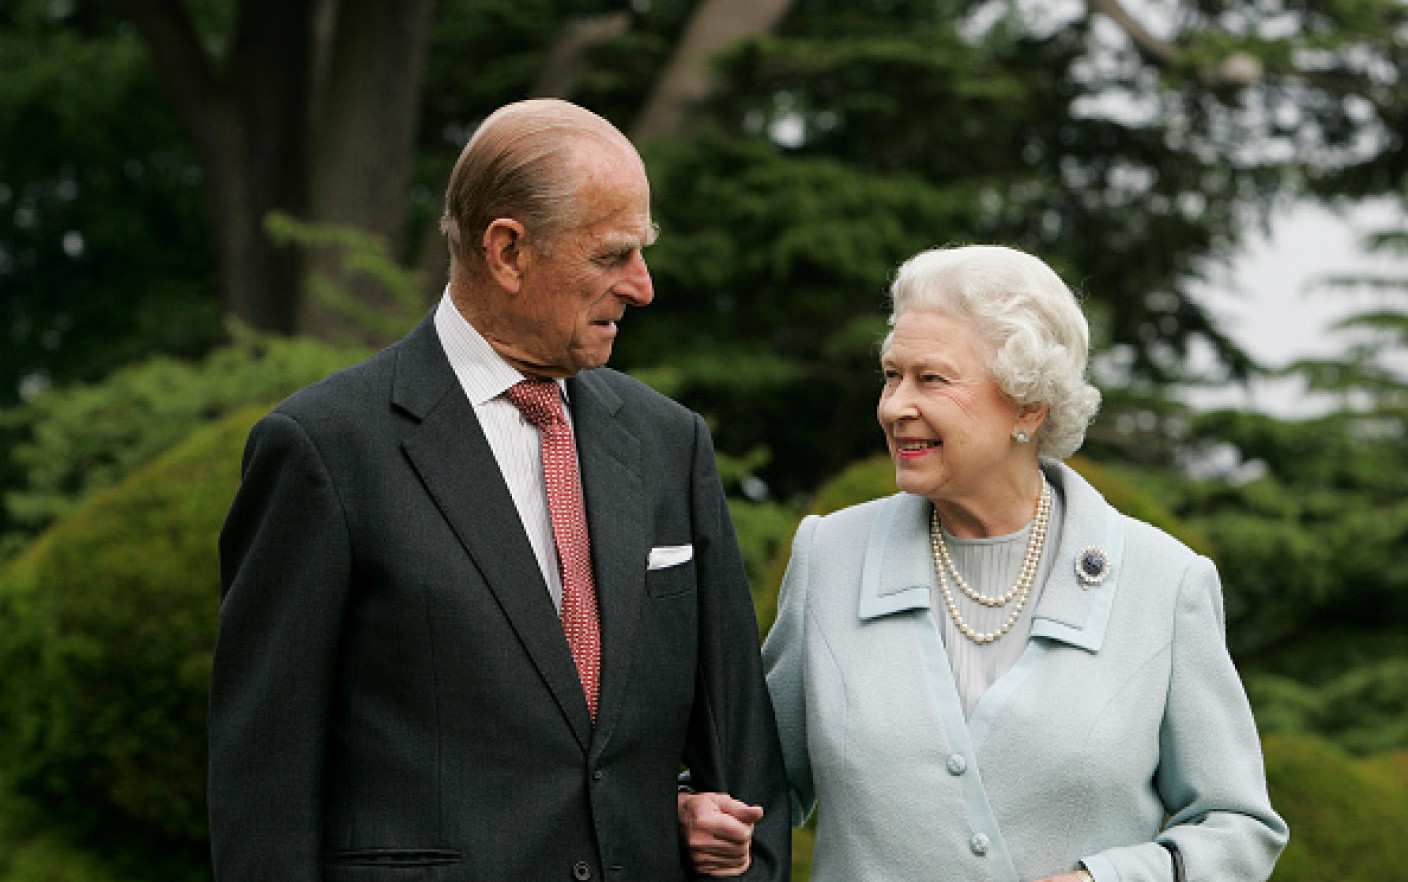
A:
{"points": [[662, 556]]}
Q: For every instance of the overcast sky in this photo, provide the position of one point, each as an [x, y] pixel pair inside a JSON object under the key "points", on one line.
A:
{"points": [[1270, 305]]}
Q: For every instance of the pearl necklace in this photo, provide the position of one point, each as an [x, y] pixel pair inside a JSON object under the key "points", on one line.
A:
{"points": [[1021, 589]]}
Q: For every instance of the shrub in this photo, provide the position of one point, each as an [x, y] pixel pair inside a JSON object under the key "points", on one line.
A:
{"points": [[70, 442], [1346, 815], [109, 626]]}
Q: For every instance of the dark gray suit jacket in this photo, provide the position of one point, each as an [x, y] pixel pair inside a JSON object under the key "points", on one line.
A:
{"points": [[393, 697]]}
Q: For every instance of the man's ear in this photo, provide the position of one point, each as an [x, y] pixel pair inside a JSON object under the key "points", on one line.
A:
{"points": [[506, 252]]}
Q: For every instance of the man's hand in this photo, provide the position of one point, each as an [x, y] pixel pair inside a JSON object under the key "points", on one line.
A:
{"points": [[717, 831]]}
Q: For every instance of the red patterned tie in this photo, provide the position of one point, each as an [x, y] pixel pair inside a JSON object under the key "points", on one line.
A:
{"points": [[541, 404]]}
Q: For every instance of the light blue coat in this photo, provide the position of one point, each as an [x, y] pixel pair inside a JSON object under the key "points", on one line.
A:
{"points": [[1123, 710]]}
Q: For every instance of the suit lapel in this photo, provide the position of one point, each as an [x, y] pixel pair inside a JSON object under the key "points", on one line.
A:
{"points": [[613, 488], [454, 461]]}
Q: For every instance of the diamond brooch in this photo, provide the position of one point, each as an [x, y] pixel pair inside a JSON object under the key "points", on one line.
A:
{"points": [[1092, 566]]}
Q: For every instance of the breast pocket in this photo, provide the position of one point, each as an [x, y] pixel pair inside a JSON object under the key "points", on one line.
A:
{"points": [[672, 580]]}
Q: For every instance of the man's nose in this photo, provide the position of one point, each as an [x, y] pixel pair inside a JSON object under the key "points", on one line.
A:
{"points": [[636, 288]]}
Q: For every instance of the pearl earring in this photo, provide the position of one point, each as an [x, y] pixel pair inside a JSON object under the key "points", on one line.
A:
{"points": [[1020, 436]]}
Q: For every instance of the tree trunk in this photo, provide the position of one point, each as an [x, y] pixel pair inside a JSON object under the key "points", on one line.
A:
{"points": [[688, 77], [270, 77], [314, 115], [249, 128], [364, 138]]}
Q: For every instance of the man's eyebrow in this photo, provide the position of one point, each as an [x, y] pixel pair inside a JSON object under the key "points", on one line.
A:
{"points": [[627, 242]]}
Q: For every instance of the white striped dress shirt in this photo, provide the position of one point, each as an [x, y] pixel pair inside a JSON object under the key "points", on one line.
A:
{"points": [[517, 446]]}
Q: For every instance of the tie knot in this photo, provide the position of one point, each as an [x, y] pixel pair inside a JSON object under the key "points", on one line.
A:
{"points": [[540, 401]]}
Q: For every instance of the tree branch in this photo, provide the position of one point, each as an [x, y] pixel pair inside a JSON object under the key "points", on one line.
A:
{"points": [[186, 72], [688, 77], [1237, 69], [1160, 50], [567, 59]]}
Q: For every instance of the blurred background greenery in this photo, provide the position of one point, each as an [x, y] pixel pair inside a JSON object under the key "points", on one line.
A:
{"points": [[205, 204]]}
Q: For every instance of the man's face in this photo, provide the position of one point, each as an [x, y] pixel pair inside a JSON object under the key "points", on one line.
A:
{"points": [[565, 314]]}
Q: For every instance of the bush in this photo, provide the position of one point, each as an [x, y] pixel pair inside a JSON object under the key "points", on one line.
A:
{"points": [[109, 626], [72, 441], [1346, 815], [1362, 705], [29, 854]]}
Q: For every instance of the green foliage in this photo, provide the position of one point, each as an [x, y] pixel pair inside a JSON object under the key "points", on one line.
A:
{"points": [[71, 441], [1319, 541], [859, 482], [785, 212], [31, 855], [803, 844], [1348, 686], [763, 529], [104, 255], [1346, 815], [359, 254], [110, 625], [762, 525]]}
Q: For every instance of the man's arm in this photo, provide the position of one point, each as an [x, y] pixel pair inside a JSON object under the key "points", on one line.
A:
{"points": [[733, 746], [285, 559]]}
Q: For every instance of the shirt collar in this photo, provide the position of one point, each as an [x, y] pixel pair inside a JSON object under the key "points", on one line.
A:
{"points": [[482, 372]]}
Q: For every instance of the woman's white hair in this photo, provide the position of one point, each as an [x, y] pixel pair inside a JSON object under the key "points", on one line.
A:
{"points": [[1029, 318]]}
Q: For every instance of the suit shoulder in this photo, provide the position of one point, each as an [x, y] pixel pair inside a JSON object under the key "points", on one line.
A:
{"points": [[344, 397]]}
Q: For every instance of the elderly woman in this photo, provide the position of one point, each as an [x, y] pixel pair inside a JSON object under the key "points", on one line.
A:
{"points": [[993, 674]]}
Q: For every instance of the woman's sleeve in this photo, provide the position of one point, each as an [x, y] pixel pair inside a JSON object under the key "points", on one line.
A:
{"points": [[1211, 777], [783, 662]]}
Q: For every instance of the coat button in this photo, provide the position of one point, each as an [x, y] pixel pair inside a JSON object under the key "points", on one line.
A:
{"points": [[597, 775], [957, 764], [581, 871], [979, 844]]}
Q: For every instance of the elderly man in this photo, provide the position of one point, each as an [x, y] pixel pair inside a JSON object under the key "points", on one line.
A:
{"points": [[482, 600]]}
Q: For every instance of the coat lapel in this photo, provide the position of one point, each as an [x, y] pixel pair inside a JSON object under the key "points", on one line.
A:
{"points": [[609, 456], [898, 570], [449, 452], [1073, 610]]}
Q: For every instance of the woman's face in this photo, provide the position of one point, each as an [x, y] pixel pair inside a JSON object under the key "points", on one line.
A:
{"points": [[948, 425]]}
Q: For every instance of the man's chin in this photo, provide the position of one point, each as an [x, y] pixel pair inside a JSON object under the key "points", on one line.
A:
{"points": [[594, 358]]}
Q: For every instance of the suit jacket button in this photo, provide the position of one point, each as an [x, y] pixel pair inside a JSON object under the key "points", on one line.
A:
{"points": [[979, 844], [957, 764], [596, 775], [581, 871]]}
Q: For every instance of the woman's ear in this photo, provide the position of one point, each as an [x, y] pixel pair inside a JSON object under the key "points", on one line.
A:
{"points": [[1030, 417], [506, 254]]}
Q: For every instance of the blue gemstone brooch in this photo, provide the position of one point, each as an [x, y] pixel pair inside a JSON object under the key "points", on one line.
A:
{"points": [[1092, 566]]}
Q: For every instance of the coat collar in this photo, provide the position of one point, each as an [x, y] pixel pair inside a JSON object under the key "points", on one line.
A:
{"points": [[897, 573]]}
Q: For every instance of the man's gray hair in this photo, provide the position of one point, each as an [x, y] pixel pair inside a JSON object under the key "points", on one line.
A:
{"points": [[524, 163], [1030, 320]]}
